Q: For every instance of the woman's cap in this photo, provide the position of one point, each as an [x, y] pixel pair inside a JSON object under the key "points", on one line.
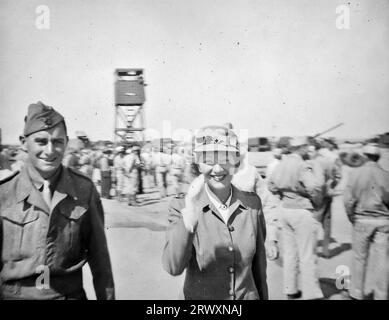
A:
{"points": [[216, 138]]}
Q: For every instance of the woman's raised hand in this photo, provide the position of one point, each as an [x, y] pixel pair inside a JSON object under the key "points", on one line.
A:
{"points": [[194, 190], [192, 210]]}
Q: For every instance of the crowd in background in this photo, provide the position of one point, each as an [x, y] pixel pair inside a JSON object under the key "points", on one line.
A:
{"points": [[121, 172]]}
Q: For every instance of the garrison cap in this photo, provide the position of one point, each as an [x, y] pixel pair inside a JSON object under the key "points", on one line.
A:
{"points": [[40, 117]]}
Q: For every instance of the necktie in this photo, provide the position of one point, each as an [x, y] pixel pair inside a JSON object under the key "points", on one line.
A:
{"points": [[46, 193]]}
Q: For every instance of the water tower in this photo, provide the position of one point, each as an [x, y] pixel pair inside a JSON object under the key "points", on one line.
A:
{"points": [[129, 106]]}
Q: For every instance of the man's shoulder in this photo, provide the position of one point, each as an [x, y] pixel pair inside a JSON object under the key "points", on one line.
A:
{"points": [[8, 187], [9, 180]]}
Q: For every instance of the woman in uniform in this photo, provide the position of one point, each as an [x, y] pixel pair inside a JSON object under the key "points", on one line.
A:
{"points": [[217, 232]]}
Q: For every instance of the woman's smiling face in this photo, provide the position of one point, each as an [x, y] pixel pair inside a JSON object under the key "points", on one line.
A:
{"points": [[217, 167]]}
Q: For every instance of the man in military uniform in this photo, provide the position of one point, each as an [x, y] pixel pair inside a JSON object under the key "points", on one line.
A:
{"points": [[326, 159], [366, 198], [52, 220], [300, 185]]}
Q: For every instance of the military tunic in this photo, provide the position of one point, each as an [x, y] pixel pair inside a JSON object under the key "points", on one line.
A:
{"points": [[60, 239], [222, 261]]}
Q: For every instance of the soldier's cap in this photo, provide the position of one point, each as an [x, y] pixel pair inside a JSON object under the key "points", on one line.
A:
{"points": [[371, 149], [135, 148], [299, 141], [216, 138], [40, 117], [119, 149]]}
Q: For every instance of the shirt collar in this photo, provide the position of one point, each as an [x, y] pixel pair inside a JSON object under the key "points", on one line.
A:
{"points": [[30, 178], [37, 179], [205, 202], [215, 200]]}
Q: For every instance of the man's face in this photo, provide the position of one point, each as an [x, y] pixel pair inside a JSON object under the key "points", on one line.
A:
{"points": [[218, 168], [46, 149]]}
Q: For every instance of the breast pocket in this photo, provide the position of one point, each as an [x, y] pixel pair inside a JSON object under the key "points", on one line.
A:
{"points": [[71, 221], [19, 232]]}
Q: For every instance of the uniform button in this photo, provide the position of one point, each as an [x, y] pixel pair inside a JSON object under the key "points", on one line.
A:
{"points": [[231, 228], [230, 249], [223, 207], [231, 269]]}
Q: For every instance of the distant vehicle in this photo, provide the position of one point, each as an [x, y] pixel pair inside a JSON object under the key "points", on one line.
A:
{"points": [[259, 144], [384, 140], [283, 142]]}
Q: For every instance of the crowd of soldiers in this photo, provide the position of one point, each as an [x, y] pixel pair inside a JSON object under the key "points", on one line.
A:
{"points": [[296, 197], [305, 179], [122, 172]]}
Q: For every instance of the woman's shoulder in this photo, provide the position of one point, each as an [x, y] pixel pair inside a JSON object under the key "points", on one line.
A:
{"points": [[249, 199]]}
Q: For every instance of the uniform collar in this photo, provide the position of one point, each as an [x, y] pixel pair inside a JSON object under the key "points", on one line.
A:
{"points": [[37, 179], [215, 200], [205, 203], [31, 181]]}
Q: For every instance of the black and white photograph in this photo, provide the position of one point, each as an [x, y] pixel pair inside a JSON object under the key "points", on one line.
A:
{"points": [[167, 150]]}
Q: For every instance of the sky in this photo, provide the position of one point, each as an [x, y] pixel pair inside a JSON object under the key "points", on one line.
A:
{"points": [[272, 67]]}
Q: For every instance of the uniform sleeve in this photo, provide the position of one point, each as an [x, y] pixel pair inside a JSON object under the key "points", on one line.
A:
{"points": [[272, 183], [312, 184], [179, 241], [98, 255], [270, 208], [259, 261], [348, 197]]}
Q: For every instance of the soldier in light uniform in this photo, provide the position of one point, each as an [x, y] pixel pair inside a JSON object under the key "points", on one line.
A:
{"points": [[366, 198], [119, 170], [52, 220], [300, 186], [86, 163], [106, 174], [149, 168], [326, 159], [162, 162], [177, 170], [131, 163]]}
